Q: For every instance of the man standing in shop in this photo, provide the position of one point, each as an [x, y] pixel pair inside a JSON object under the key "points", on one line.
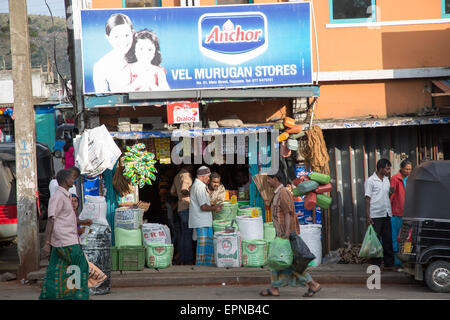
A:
{"points": [[200, 217], [378, 210], [216, 189], [181, 188]]}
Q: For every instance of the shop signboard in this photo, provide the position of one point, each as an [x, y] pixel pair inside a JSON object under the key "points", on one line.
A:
{"points": [[183, 112], [195, 48]]}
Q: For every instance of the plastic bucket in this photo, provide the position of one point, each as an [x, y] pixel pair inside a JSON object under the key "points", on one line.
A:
{"points": [[159, 255], [127, 238], [300, 170], [254, 253], [269, 231], [311, 235], [250, 228], [299, 206], [308, 216], [301, 218]]}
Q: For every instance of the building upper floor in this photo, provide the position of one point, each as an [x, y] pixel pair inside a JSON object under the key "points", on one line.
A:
{"points": [[359, 35]]}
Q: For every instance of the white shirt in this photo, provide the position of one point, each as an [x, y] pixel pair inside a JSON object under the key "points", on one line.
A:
{"points": [[199, 196], [54, 185], [378, 192]]}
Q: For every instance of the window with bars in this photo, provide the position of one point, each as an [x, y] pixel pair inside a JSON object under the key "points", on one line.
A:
{"points": [[142, 3], [228, 2], [189, 3], [445, 8], [351, 11]]}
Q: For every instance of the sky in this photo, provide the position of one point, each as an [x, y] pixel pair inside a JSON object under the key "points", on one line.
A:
{"points": [[39, 7]]}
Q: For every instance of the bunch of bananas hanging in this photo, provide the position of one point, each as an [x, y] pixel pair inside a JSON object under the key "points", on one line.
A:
{"points": [[139, 165]]}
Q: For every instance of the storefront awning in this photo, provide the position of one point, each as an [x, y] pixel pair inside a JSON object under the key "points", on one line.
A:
{"points": [[190, 133], [159, 98], [376, 123]]}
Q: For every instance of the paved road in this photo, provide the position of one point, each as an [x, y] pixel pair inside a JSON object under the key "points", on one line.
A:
{"points": [[15, 290]]}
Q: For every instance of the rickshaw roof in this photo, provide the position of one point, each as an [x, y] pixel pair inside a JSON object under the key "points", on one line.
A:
{"points": [[428, 191]]}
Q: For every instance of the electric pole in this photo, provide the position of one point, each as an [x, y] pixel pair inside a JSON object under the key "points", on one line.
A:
{"points": [[25, 141]]}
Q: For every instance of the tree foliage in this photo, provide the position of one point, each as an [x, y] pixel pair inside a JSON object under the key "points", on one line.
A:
{"points": [[42, 33]]}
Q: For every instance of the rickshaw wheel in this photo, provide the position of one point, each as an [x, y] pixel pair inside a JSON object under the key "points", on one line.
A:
{"points": [[57, 154], [437, 276]]}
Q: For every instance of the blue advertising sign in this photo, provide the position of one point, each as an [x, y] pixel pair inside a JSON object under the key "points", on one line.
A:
{"points": [[163, 49]]}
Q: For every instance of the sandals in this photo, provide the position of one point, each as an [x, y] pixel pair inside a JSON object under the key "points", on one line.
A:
{"points": [[311, 292], [267, 292]]}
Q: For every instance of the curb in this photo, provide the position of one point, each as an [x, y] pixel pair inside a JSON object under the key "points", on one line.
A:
{"points": [[235, 278]]}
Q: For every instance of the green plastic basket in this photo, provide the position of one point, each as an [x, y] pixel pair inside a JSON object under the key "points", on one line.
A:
{"points": [[114, 259], [131, 258]]}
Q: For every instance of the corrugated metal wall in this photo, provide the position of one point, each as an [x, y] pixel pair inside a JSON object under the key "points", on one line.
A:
{"points": [[353, 157]]}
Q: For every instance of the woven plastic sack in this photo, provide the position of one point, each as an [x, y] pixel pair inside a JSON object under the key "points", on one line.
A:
{"points": [[127, 238], [371, 246], [159, 255], [254, 253], [280, 254]]}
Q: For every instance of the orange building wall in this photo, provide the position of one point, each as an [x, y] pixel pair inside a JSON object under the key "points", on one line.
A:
{"points": [[367, 48], [385, 47], [339, 100], [106, 4]]}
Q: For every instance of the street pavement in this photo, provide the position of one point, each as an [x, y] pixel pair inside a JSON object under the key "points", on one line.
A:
{"points": [[14, 290]]}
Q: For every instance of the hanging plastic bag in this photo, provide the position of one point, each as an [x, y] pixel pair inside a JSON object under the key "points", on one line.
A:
{"points": [[371, 246], [280, 254], [302, 256]]}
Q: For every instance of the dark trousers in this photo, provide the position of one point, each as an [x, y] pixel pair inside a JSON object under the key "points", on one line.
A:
{"points": [[185, 241], [383, 229]]}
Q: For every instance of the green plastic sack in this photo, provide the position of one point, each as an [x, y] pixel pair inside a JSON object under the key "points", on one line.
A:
{"points": [[159, 255], [280, 254], [371, 246], [126, 238], [269, 231], [254, 253]]}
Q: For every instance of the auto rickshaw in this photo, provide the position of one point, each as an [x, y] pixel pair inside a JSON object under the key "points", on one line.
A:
{"points": [[8, 202], [424, 238]]}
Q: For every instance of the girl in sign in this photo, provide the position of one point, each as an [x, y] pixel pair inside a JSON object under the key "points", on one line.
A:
{"points": [[145, 55], [112, 72]]}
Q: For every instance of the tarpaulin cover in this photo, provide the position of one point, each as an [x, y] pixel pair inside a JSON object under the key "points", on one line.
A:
{"points": [[428, 191]]}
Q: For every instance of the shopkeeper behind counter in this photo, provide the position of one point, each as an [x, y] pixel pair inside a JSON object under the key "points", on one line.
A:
{"points": [[216, 189]]}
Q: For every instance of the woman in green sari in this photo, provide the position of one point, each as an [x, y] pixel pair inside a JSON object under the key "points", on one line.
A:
{"points": [[68, 270]]}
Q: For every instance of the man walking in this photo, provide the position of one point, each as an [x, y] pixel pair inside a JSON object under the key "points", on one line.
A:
{"points": [[200, 217], [181, 187], [285, 221], [73, 190], [378, 210], [68, 270]]}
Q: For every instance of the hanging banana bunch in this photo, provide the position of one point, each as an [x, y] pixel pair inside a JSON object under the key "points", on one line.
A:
{"points": [[139, 165]]}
